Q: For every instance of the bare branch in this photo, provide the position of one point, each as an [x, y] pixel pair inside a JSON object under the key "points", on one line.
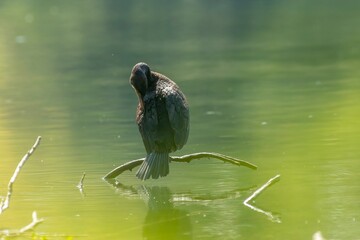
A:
{"points": [[5, 203], [122, 168], [200, 155], [186, 158], [270, 182]]}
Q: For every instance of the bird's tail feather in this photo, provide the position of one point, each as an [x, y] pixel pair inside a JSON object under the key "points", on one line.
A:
{"points": [[155, 165]]}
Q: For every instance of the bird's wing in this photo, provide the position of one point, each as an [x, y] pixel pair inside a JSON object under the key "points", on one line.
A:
{"points": [[148, 124], [178, 112], [146, 141]]}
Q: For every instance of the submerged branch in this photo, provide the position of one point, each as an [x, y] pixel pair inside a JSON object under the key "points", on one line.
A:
{"points": [[5, 203], [269, 183], [186, 158]]}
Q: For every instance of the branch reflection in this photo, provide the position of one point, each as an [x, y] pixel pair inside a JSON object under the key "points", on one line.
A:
{"points": [[166, 219]]}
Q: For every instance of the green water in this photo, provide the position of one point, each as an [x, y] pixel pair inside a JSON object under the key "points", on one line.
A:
{"points": [[273, 82]]}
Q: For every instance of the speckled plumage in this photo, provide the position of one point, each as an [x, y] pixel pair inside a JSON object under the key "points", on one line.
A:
{"points": [[163, 119]]}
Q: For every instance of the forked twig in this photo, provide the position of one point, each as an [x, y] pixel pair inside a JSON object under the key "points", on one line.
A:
{"points": [[5, 203], [30, 226], [33, 224], [186, 158], [255, 194]]}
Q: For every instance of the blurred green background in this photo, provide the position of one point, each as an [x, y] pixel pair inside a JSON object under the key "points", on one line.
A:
{"points": [[273, 82]]}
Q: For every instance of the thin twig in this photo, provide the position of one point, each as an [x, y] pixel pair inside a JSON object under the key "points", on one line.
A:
{"points": [[5, 203], [270, 182], [31, 226], [80, 185], [186, 158]]}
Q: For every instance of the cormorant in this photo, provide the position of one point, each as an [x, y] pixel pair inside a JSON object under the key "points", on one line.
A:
{"points": [[163, 119]]}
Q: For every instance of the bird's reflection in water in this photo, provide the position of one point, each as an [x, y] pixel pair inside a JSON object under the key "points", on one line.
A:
{"points": [[163, 220]]}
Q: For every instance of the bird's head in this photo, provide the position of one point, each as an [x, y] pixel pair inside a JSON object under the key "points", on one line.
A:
{"points": [[140, 78]]}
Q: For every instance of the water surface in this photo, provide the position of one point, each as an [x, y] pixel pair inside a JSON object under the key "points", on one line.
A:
{"points": [[273, 82]]}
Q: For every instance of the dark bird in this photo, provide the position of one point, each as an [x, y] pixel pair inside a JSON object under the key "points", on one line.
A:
{"points": [[163, 119]]}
